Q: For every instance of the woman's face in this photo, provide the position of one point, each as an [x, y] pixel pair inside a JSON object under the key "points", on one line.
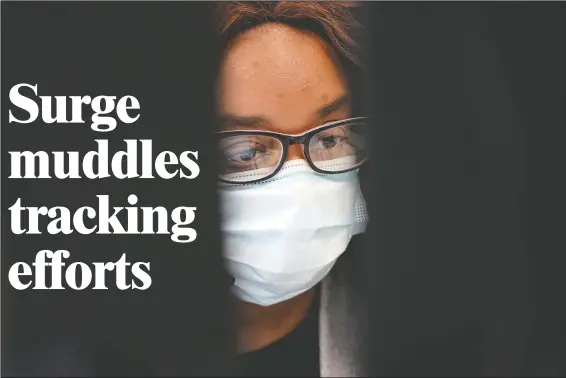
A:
{"points": [[276, 78]]}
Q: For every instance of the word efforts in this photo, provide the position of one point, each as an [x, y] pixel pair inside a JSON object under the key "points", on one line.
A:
{"points": [[22, 276]]}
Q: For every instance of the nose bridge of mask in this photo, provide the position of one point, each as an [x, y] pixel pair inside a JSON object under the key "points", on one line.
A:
{"points": [[291, 166], [294, 201], [288, 168], [338, 164]]}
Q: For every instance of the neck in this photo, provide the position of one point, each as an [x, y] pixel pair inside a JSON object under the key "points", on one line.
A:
{"points": [[261, 326]]}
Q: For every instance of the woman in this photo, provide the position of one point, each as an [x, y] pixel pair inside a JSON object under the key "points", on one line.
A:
{"points": [[291, 143]]}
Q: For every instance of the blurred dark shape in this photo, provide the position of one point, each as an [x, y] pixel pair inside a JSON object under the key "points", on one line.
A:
{"points": [[466, 253], [165, 55]]}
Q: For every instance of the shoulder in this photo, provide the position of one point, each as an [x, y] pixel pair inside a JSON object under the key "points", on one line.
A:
{"points": [[342, 317]]}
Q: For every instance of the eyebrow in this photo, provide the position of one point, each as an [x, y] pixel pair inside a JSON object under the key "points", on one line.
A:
{"points": [[259, 122], [253, 122], [334, 106]]}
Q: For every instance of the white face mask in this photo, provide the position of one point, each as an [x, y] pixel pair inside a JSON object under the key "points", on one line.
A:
{"points": [[282, 236]]}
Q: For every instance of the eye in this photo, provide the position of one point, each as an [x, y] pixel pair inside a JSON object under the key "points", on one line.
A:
{"points": [[329, 139], [244, 152], [241, 153]]}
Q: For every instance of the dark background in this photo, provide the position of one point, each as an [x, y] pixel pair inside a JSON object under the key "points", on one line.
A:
{"points": [[165, 56], [466, 254], [463, 272]]}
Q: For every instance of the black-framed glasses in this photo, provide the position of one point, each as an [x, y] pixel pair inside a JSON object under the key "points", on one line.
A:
{"points": [[249, 156]]}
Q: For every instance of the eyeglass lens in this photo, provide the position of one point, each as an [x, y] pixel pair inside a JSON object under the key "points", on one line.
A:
{"points": [[251, 157]]}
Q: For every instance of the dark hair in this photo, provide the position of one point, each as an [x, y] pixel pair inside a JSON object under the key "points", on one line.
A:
{"points": [[332, 21]]}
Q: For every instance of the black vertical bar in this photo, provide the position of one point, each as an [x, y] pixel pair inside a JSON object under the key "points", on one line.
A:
{"points": [[164, 54], [456, 225]]}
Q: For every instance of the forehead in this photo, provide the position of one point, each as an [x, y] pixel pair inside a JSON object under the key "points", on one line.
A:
{"points": [[276, 70]]}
